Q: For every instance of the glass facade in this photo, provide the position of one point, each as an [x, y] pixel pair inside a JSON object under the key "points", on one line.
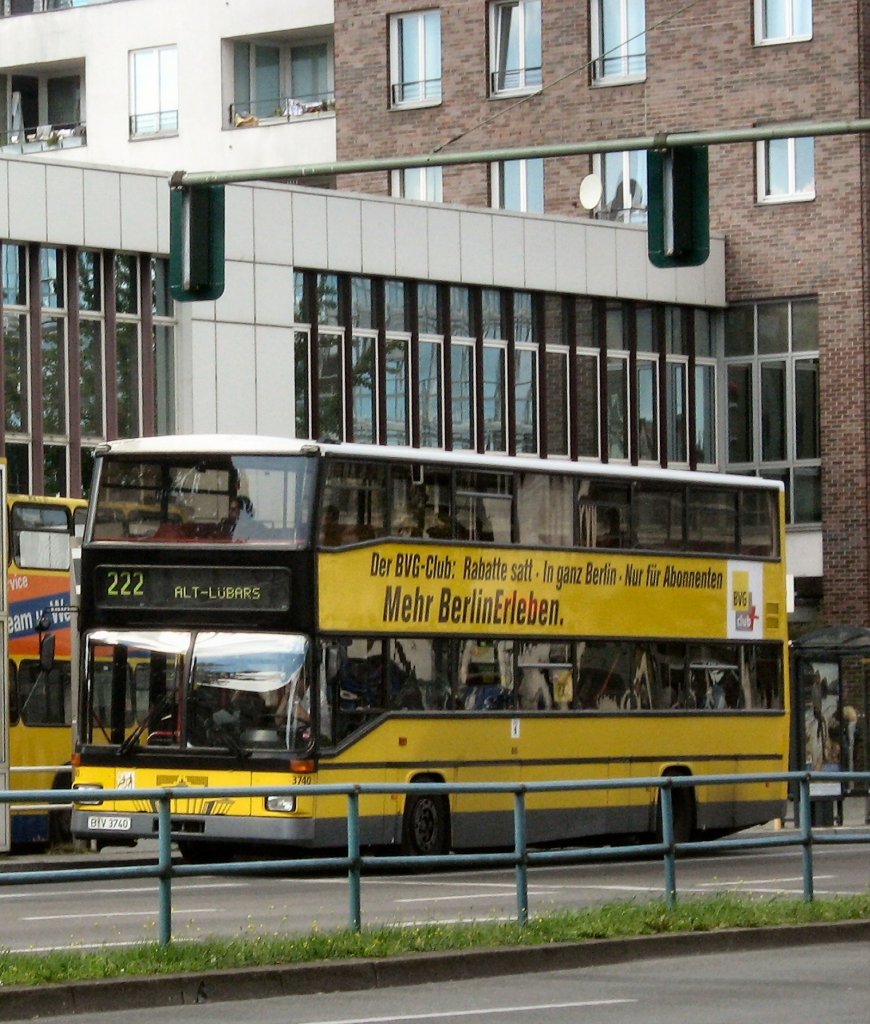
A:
{"points": [[500, 370], [77, 369]]}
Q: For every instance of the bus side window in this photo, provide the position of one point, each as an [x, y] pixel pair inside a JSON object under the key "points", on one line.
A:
{"points": [[353, 504]]}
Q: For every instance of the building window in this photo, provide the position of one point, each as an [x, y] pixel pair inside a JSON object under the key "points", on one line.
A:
{"points": [[646, 386], [59, 402], [257, 80], [705, 417], [624, 189], [783, 21], [519, 185], [280, 80], [516, 51], [423, 183], [41, 112], [154, 91], [525, 383], [772, 362], [618, 40], [786, 170], [415, 58]]}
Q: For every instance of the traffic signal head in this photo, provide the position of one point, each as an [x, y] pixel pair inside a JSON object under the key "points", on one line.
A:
{"points": [[196, 242], [678, 211]]}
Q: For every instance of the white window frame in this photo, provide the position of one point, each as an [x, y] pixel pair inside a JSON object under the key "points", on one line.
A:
{"points": [[522, 79], [632, 208], [169, 86], [359, 414], [402, 339], [430, 88], [498, 186], [528, 349], [498, 348], [791, 35], [578, 398], [791, 195], [288, 104], [468, 346], [647, 364], [618, 65], [707, 365], [336, 335], [422, 184], [424, 384]]}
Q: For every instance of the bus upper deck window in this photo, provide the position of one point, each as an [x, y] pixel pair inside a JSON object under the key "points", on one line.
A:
{"points": [[758, 519], [603, 511], [353, 507]]}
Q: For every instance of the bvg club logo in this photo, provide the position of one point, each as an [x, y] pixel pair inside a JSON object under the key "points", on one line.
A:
{"points": [[745, 614]]}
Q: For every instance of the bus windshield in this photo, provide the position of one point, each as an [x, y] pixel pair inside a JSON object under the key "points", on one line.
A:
{"points": [[172, 688], [221, 499]]}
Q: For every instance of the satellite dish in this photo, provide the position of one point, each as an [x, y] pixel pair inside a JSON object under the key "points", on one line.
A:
{"points": [[590, 191]]}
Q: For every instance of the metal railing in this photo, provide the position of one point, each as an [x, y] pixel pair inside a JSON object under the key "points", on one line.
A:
{"points": [[282, 108], [521, 857], [11, 8], [39, 138]]}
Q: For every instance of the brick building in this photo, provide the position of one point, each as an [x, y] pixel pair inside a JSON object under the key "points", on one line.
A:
{"points": [[793, 350], [537, 326]]}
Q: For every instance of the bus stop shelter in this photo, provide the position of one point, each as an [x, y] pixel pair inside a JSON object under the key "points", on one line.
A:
{"points": [[830, 681]]}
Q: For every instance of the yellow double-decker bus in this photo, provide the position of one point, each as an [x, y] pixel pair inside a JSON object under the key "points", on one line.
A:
{"points": [[40, 702], [290, 612]]}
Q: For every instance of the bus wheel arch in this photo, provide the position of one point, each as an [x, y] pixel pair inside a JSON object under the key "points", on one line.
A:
{"points": [[426, 821], [683, 807]]}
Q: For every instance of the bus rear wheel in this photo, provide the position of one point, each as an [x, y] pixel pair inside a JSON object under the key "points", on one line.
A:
{"points": [[683, 807], [426, 826]]}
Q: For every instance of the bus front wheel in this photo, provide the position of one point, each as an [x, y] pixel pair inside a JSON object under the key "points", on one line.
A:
{"points": [[426, 826]]}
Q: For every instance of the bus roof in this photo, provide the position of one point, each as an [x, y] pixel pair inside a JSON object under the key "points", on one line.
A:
{"points": [[252, 444]]}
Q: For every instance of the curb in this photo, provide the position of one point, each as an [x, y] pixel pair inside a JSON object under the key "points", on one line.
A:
{"points": [[26, 1002]]}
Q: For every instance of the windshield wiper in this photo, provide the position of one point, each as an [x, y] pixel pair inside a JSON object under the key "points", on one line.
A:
{"points": [[230, 742], [151, 716]]}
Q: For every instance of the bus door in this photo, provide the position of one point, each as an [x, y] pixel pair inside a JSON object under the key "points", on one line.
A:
{"points": [[352, 699]]}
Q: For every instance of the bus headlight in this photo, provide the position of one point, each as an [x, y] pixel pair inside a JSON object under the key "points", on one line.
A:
{"points": [[81, 787], [281, 803]]}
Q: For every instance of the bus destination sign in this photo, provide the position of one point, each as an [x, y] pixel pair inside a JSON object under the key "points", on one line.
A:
{"points": [[192, 588]]}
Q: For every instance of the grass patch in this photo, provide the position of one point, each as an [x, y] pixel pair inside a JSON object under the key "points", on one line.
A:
{"points": [[614, 920]]}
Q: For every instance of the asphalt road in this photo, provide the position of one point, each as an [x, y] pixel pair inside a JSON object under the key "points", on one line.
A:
{"points": [[827, 981], [61, 914]]}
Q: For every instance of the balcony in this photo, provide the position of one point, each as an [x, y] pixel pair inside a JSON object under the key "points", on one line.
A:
{"points": [[10, 8], [43, 137], [279, 110]]}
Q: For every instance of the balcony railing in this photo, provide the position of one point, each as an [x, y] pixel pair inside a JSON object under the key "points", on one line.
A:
{"points": [[427, 90], [511, 79], [280, 108], [43, 137], [160, 122], [9, 8]]}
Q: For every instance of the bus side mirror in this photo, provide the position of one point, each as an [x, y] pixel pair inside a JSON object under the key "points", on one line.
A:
{"points": [[46, 652]]}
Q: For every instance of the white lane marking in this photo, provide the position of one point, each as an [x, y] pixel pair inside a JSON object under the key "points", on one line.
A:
{"points": [[126, 913], [763, 881], [508, 894], [128, 890], [448, 1014]]}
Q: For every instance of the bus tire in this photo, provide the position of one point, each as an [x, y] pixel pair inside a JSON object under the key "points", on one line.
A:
{"points": [[60, 819], [204, 852], [426, 825], [683, 807]]}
